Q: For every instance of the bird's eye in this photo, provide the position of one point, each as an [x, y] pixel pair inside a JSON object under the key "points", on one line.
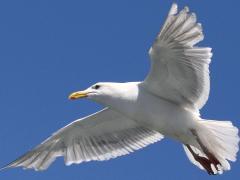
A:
{"points": [[96, 86]]}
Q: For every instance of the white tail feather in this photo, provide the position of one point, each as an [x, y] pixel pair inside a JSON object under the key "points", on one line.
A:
{"points": [[221, 139]]}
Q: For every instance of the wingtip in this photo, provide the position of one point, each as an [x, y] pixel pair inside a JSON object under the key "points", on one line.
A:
{"points": [[186, 8], [173, 9], [4, 168]]}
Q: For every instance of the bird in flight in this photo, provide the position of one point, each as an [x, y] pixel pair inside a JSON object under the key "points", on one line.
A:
{"points": [[137, 114]]}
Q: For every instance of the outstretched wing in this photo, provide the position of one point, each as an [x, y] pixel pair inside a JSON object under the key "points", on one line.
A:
{"points": [[179, 70], [101, 136]]}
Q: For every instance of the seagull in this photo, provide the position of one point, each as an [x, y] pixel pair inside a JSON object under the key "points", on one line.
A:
{"points": [[137, 114]]}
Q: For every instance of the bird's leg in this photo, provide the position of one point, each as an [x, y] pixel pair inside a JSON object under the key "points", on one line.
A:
{"points": [[210, 156], [205, 162]]}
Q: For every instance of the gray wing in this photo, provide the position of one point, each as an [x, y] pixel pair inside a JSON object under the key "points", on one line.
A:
{"points": [[179, 70], [101, 136]]}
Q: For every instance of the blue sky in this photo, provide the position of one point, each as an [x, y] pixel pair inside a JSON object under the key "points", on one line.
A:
{"points": [[51, 48]]}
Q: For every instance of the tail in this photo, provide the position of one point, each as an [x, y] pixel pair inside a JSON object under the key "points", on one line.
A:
{"points": [[217, 144]]}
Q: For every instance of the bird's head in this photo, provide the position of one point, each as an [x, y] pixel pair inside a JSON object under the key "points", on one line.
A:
{"points": [[97, 91], [106, 92]]}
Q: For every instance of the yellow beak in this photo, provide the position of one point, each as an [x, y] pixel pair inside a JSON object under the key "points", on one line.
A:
{"points": [[77, 95]]}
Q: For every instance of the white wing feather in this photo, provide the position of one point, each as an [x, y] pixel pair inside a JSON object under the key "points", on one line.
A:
{"points": [[179, 70], [101, 136]]}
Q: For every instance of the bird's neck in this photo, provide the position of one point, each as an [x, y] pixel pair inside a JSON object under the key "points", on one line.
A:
{"points": [[123, 99]]}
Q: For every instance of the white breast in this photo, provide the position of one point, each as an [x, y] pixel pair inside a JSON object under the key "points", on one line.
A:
{"points": [[157, 113]]}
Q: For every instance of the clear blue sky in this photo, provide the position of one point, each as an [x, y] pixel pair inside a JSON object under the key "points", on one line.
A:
{"points": [[51, 48]]}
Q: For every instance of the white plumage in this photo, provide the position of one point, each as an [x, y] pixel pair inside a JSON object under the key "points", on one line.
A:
{"points": [[101, 136], [179, 70], [137, 114]]}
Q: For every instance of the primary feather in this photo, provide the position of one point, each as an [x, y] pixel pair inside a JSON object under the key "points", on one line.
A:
{"points": [[101, 136]]}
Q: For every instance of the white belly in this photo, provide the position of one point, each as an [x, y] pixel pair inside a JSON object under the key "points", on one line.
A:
{"points": [[165, 117], [145, 108]]}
